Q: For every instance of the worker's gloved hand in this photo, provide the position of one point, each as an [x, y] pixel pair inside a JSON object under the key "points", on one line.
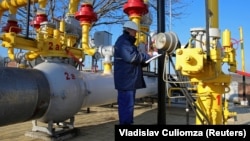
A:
{"points": [[150, 53], [154, 53]]}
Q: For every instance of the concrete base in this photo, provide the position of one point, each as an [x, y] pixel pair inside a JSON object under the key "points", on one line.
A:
{"points": [[57, 136]]}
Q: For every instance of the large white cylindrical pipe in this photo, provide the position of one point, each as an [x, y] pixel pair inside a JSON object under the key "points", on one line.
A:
{"points": [[66, 90], [55, 91], [101, 89]]}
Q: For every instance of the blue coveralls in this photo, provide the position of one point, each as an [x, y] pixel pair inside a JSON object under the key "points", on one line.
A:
{"points": [[128, 75]]}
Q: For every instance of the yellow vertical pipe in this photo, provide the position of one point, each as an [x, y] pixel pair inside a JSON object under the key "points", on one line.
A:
{"points": [[242, 50], [213, 6], [73, 6], [71, 40], [217, 90], [143, 36], [85, 36], [216, 111], [42, 3], [137, 20], [85, 39], [211, 105], [226, 38], [144, 28], [107, 68], [12, 9], [62, 26], [11, 53], [56, 34], [204, 103]]}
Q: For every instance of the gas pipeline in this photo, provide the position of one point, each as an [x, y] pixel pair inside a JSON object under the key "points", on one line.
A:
{"points": [[54, 89]]}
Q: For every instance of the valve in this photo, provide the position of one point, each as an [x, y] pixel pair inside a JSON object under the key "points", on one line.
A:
{"points": [[39, 18], [135, 8], [86, 14], [12, 26]]}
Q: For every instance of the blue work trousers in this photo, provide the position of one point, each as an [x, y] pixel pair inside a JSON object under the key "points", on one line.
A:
{"points": [[126, 101]]}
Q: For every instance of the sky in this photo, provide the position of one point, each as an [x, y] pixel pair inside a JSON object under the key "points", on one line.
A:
{"points": [[232, 15]]}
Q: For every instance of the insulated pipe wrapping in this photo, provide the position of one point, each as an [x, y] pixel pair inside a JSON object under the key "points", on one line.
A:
{"points": [[24, 95]]}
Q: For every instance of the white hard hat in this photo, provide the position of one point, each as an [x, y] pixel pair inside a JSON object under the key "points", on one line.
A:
{"points": [[131, 25]]}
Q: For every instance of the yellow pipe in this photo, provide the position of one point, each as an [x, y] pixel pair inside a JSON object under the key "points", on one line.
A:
{"points": [[226, 38], [12, 5], [85, 40], [73, 6], [143, 36], [71, 40], [242, 50], [29, 56], [207, 75], [107, 68], [42, 3], [11, 53], [229, 51], [144, 28], [56, 34], [213, 104], [213, 7], [5, 4], [40, 40], [137, 20], [12, 9], [62, 26], [11, 40]]}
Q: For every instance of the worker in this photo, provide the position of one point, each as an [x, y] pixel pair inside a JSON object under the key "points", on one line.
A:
{"points": [[128, 74]]}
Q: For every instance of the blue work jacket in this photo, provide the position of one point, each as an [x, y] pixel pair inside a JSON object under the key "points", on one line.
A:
{"points": [[128, 61]]}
